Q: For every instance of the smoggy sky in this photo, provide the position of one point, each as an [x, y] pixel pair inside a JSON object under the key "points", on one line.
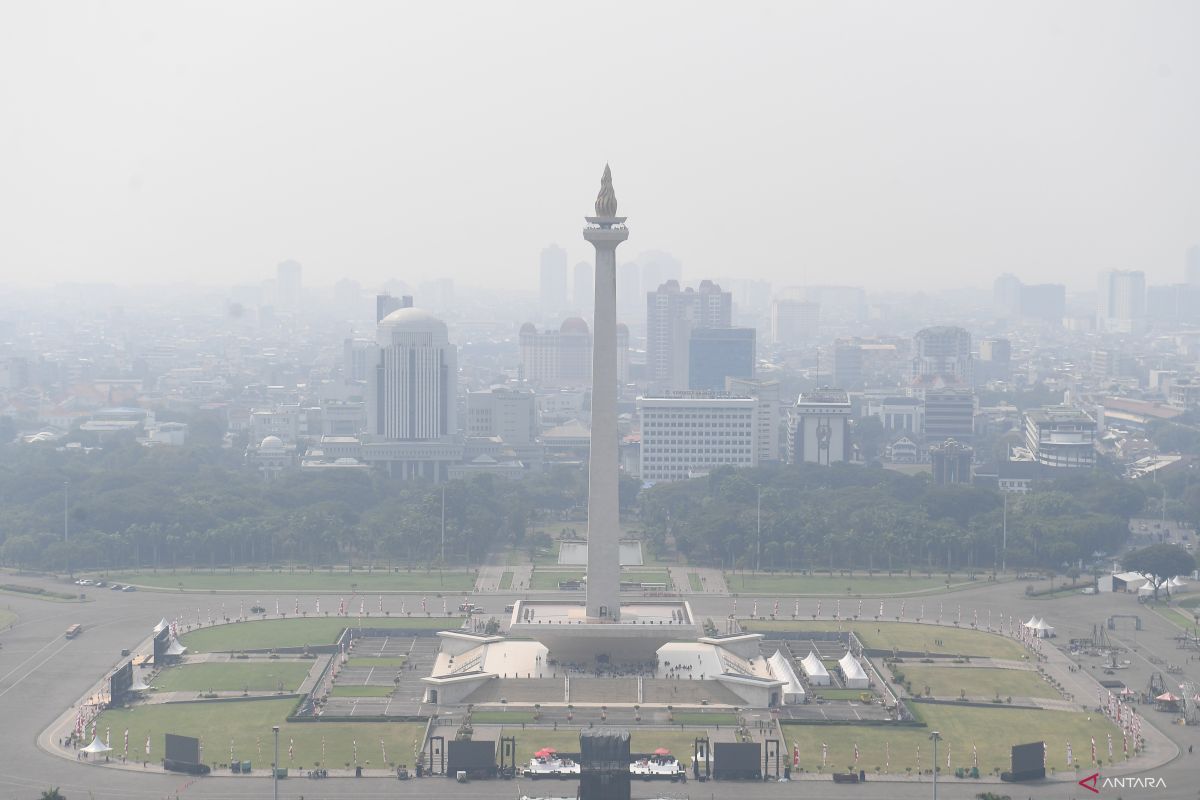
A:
{"points": [[892, 144]]}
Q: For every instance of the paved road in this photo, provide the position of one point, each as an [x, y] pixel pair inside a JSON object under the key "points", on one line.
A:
{"points": [[42, 674]]}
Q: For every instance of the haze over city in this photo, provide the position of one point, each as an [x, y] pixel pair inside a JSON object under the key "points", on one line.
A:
{"points": [[883, 143]]}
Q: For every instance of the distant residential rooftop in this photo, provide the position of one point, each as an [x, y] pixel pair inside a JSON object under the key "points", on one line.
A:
{"points": [[1058, 414]]}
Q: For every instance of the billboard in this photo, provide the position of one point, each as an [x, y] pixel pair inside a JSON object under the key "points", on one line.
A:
{"points": [[119, 683], [476, 758], [737, 760], [184, 750], [1028, 762]]}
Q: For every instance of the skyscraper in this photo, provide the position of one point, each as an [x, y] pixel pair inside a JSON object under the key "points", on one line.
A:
{"points": [[672, 314], [715, 354], [553, 279], [385, 304], [942, 352], [582, 288], [413, 388], [1121, 301], [605, 231], [794, 322], [1006, 296]]}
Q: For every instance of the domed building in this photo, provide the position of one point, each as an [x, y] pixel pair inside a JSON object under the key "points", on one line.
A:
{"points": [[412, 393], [270, 457]]}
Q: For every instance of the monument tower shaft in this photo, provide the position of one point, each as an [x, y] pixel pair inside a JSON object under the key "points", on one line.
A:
{"points": [[605, 231]]}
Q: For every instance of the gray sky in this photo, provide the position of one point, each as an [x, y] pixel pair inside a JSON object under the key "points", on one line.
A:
{"points": [[892, 144]]}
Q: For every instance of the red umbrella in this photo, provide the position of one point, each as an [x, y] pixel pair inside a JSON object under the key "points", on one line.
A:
{"points": [[662, 751], [549, 749], [1167, 697], [541, 753]]}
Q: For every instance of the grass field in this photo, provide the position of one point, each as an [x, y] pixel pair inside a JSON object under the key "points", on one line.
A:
{"points": [[233, 676], [702, 719], [992, 731], [911, 636], [546, 578], [837, 585], [978, 682], [1180, 617], [550, 578], [387, 663], [340, 690], [297, 632], [566, 740], [248, 725], [694, 582], [302, 580], [506, 581]]}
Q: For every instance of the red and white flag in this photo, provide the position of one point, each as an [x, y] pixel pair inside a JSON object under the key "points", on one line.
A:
{"points": [[127, 742], [795, 754], [947, 755], [856, 752], [147, 744], [974, 756], [1093, 749], [1070, 755], [824, 754], [1110, 749]]}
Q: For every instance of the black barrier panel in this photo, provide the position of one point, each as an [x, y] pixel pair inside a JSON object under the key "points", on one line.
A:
{"points": [[737, 760], [470, 757], [1027, 763], [118, 685], [1028, 757], [161, 642], [182, 749], [604, 764]]}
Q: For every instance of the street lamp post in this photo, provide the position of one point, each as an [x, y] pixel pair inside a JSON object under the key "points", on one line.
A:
{"points": [[1004, 539], [275, 766], [67, 526], [935, 736], [758, 525]]}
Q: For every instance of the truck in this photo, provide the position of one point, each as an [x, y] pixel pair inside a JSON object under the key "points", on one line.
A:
{"points": [[74, 631]]}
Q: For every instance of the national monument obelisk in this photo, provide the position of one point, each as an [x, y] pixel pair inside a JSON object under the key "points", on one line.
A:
{"points": [[605, 231]]}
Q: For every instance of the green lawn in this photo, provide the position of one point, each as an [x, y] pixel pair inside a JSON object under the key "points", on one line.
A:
{"points": [[506, 580], [992, 731], [297, 632], [837, 585], [550, 578], [233, 676], [302, 580], [679, 742], [1182, 618], [248, 725], [911, 636], [703, 719], [368, 661], [978, 682], [341, 690], [694, 582], [1190, 602]]}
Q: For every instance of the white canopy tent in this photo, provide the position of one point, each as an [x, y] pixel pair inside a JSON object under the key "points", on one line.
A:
{"points": [[1032, 623], [175, 648], [161, 626], [1177, 584], [97, 746], [853, 673], [139, 685], [781, 668], [1043, 630], [814, 670]]}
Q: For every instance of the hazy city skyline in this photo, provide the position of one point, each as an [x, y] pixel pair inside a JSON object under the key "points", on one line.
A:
{"points": [[898, 146]]}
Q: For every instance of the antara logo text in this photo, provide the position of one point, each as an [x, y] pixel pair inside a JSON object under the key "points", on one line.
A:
{"points": [[1095, 782]]}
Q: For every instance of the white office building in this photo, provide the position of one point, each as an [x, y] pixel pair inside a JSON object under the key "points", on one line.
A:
{"points": [[819, 429], [689, 433], [504, 412]]}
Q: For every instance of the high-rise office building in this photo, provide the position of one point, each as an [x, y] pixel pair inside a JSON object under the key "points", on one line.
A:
{"points": [[715, 354], [1006, 296], [770, 432], [689, 433], [385, 304], [847, 364], [1044, 301], [413, 387], [582, 289], [995, 360], [563, 358], [1121, 301], [672, 314], [508, 413], [942, 353], [553, 280], [1178, 302], [794, 322], [1061, 437], [948, 414]]}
